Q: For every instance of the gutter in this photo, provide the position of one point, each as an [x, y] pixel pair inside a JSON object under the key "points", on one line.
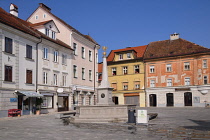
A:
{"points": [[37, 44]]}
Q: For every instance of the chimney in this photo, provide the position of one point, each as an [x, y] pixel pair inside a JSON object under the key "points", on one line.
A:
{"points": [[174, 36], [13, 10]]}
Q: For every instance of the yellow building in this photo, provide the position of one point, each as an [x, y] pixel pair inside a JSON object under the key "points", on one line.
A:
{"points": [[126, 75]]}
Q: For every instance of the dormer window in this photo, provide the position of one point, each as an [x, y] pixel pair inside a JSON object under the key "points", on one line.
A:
{"points": [[47, 32], [120, 56], [128, 55], [53, 35]]}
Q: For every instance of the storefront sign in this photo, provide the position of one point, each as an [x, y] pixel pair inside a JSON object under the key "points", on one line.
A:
{"points": [[182, 89], [13, 99], [142, 116]]}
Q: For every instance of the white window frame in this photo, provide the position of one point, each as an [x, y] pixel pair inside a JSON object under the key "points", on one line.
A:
{"points": [[90, 75], [136, 67], [47, 32], [169, 82], [64, 80], [187, 81], [36, 17], [168, 67], [56, 56], [90, 55], [205, 79], [114, 69], [83, 52], [205, 63], [96, 57], [120, 56], [152, 69], [96, 76], [45, 74], [75, 48], [128, 55], [53, 35], [152, 83], [45, 53], [125, 70], [55, 79], [83, 73], [125, 87], [186, 65], [75, 71]]}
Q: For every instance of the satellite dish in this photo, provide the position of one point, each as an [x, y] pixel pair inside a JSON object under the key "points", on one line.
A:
{"points": [[204, 92], [60, 90]]}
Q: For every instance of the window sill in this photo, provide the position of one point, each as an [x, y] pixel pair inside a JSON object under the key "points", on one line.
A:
{"points": [[30, 84], [75, 77], [55, 62], [45, 59], [7, 53], [64, 64], [83, 79], [8, 82], [29, 59]]}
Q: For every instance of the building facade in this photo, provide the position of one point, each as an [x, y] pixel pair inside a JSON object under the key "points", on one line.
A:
{"points": [[177, 73], [126, 75], [84, 60]]}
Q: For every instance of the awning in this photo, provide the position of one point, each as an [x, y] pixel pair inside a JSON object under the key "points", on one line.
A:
{"points": [[29, 93]]}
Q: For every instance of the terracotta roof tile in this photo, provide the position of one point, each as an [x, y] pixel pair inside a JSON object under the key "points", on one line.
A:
{"points": [[139, 52], [41, 23], [168, 48]]}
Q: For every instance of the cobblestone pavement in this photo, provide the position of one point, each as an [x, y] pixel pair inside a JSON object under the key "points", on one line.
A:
{"points": [[171, 124]]}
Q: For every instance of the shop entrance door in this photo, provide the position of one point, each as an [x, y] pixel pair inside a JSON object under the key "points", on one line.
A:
{"points": [[63, 104], [188, 99], [153, 100], [170, 99]]}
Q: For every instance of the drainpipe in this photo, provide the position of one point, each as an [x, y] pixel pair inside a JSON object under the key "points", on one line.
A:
{"points": [[37, 44]]}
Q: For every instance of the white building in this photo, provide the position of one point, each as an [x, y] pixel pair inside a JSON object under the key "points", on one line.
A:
{"points": [[84, 60]]}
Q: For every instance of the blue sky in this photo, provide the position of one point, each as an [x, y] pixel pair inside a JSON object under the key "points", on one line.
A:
{"points": [[128, 23]]}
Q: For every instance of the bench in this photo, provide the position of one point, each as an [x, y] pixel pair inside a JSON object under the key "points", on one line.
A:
{"points": [[14, 112]]}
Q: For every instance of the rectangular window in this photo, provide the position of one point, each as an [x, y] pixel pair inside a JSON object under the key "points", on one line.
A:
{"points": [[152, 69], [136, 68], [64, 59], [186, 65], [96, 57], [83, 73], [187, 81], [45, 54], [83, 52], [90, 56], [205, 80], [96, 76], [128, 55], [75, 48], [125, 86], [137, 85], [29, 76], [205, 63], [53, 35], [45, 78], [120, 56], [152, 83], [75, 71], [8, 45], [169, 82], [114, 71], [168, 68], [47, 102], [55, 79], [55, 56], [125, 70], [64, 80], [47, 32], [29, 51], [114, 86], [8, 73], [90, 75]]}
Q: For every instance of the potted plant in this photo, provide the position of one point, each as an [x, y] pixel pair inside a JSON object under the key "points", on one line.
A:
{"points": [[39, 101]]}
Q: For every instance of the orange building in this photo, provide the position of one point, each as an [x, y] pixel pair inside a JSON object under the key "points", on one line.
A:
{"points": [[177, 73]]}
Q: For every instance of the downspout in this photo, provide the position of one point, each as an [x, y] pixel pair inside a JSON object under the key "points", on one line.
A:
{"points": [[37, 44], [94, 71]]}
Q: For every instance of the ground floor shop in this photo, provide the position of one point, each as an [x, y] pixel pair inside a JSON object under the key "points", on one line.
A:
{"points": [[178, 97], [134, 98]]}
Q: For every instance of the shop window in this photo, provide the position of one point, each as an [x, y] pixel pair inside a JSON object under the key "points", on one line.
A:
{"points": [[47, 102]]}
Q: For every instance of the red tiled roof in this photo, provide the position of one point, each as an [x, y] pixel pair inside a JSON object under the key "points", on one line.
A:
{"points": [[100, 67], [41, 23], [168, 48], [26, 27], [139, 52]]}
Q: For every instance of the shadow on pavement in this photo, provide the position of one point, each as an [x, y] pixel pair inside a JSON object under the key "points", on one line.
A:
{"points": [[202, 125]]}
